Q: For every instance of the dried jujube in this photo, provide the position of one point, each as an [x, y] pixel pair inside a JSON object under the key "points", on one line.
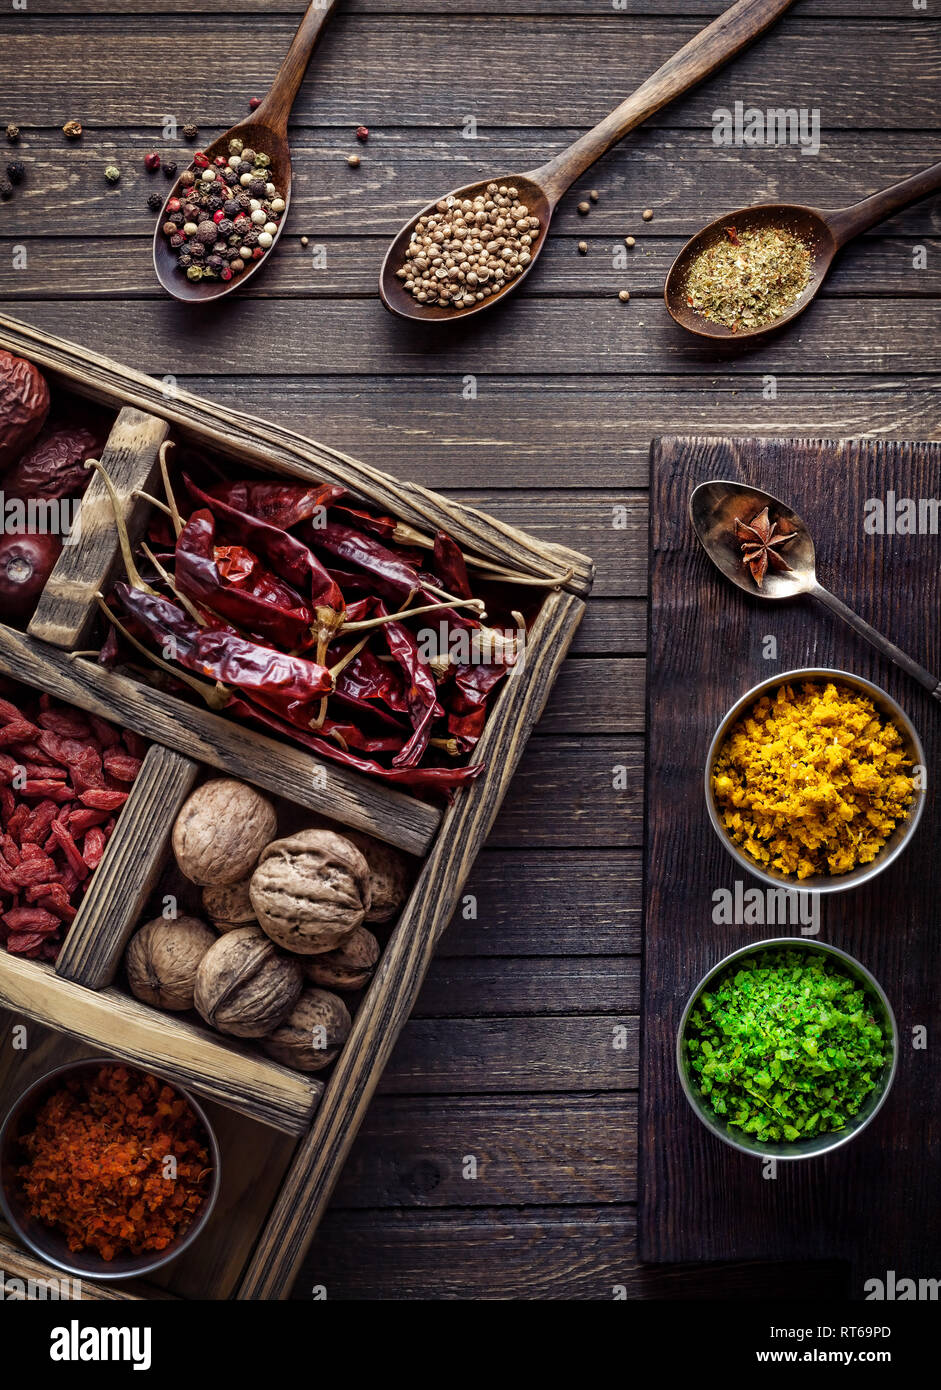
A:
{"points": [[54, 464], [26, 562], [24, 405]]}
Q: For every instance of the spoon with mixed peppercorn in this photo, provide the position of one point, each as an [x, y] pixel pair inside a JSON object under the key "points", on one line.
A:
{"points": [[472, 247], [757, 268], [763, 546], [226, 212]]}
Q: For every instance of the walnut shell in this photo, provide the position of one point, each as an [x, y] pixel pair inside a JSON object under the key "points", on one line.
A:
{"points": [[228, 906], [314, 1032], [244, 986], [310, 891], [221, 830], [390, 875], [162, 959], [347, 966]]}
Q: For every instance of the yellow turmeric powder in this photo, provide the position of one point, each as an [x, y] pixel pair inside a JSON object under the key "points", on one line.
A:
{"points": [[812, 782]]}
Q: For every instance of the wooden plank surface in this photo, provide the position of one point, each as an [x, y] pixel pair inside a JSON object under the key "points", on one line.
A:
{"points": [[812, 1210], [569, 393]]}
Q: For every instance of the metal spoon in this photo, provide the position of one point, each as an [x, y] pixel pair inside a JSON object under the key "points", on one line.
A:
{"points": [[266, 131], [541, 188], [713, 509], [824, 233]]}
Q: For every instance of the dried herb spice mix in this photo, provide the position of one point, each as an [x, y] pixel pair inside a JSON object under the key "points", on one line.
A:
{"points": [[227, 214], [748, 278], [786, 1045]]}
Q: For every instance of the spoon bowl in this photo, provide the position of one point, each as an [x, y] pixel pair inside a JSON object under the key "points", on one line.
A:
{"points": [[807, 224], [392, 289], [713, 510], [265, 140]]}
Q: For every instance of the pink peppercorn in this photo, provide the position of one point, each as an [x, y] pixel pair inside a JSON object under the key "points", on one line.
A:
{"points": [[258, 252], [152, 162], [254, 104], [218, 215], [220, 161], [201, 160], [174, 205], [362, 133], [225, 274]]}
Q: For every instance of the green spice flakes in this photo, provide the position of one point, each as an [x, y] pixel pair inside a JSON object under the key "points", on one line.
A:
{"points": [[786, 1045], [749, 277]]}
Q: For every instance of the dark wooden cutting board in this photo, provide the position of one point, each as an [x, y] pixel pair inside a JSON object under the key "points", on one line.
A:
{"points": [[873, 1202]]}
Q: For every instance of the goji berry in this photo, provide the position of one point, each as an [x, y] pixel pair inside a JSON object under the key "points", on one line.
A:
{"points": [[83, 819], [24, 944], [35, 919], [106, 734], [55, 791], [93, 847], [121, 765], [68, 723], [76, 862], [133, 742], [17, 731], [103, 800], [32, 871]]}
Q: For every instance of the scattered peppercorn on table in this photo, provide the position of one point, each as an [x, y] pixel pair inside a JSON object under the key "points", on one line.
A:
{"points": [[540, 415]]}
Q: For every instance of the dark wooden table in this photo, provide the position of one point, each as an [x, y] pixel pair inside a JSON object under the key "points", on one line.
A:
{"points": [[542, 413]]}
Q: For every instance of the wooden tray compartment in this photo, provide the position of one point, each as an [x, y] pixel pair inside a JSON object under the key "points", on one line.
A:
{"points": [[283, 1224]]}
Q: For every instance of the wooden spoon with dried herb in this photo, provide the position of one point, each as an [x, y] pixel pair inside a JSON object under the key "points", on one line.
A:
{"points": [[763, 546], [757, 268]]}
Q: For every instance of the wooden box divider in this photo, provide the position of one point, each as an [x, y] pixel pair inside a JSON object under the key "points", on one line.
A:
{"points": [[132, 861], [67, 608], [280, 768], [213, 1066]]}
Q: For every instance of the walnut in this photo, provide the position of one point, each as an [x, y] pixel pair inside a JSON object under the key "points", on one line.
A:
{"points": [[221, 830], [312, 1035], [347, 966], [162, 959], [390, 875], [244, 986], [228, 906], [310, 891]]}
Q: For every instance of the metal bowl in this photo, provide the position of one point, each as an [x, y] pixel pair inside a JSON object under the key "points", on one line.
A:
{"points": [[821, 1143], [50, 1244], [893, 847]]}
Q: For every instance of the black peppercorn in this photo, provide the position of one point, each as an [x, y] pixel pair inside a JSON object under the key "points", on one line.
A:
{"points": [[190, 132], [215, 262], [250, 238], [257, 188], [6, 189], [155, 202], [196, 249], [16, 171], [230, 177], [177, 240], [185, 259], [225, 226], [176, 218], [231, 207], [170, 169], [245, 167], [245, 202]]}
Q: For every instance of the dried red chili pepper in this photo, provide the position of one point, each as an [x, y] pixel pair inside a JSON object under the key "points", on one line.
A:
{"points": [[280, 504], [450, 567]]}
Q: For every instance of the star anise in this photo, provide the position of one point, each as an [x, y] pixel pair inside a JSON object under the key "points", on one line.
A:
{"points": [[760, 539]]}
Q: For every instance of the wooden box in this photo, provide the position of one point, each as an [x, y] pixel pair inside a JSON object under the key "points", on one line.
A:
{"points": [[284, 1135]]}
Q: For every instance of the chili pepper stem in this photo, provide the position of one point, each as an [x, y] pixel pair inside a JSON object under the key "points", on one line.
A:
{"points": [[216, 696], [448, 745], [154, 501], [124, 540], [73, 656], [475, 603], [334, 671], [170, 581], [407, 535], [165, 475]]}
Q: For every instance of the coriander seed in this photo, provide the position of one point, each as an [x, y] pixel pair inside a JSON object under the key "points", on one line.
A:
{"points": [[593, 195], [354, 161], [584, 208], [72, 130], [583, 248], [647, 214], [624, 296], [629, 241]]}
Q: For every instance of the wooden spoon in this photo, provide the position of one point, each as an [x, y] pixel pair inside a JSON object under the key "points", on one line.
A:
{"points": [[824, 233], [541, 188], [266, 131], [713, 509]]}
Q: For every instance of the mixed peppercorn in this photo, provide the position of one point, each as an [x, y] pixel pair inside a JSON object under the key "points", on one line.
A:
{"points": [[226, 216]]}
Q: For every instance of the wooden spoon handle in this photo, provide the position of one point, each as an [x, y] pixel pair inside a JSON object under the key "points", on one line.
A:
{"points": [[712, 47], [276, 107], [882, 644], [846, 223]]}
